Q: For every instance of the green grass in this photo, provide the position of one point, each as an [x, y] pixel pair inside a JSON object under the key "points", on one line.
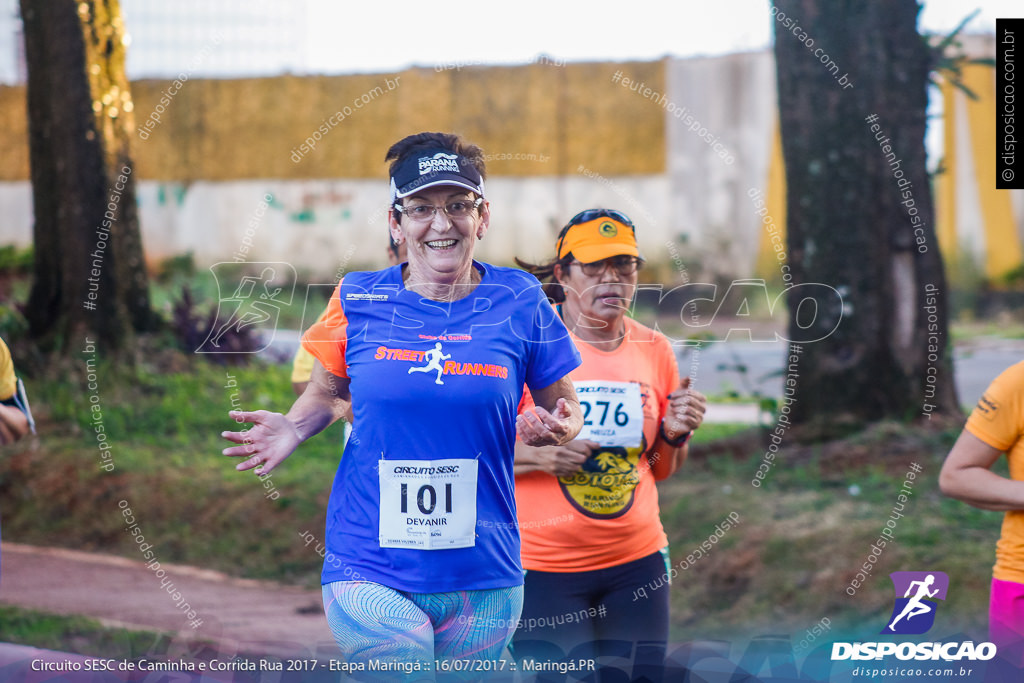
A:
{"points": [[164, 431], [994, 329], [801, 537], [203, 284], [806, 532], [78, 635], [714, 431]]}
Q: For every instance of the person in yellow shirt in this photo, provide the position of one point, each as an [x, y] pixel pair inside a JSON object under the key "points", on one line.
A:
{"points": [[996, 426], [302, 365], [15, 415]]}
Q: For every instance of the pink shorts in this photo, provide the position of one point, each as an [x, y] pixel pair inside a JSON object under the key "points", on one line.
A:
{"points": [[1006, 619]]}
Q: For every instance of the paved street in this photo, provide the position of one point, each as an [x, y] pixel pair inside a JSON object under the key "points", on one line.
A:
{"points": [[747, 367], [975, 365]]}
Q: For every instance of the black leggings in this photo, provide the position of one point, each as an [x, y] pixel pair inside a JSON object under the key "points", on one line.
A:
{"points": [[598, 615]]}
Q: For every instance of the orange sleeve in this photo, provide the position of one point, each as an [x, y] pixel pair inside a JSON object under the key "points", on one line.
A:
{"points": [[526, 402], [327, 338], [998, 419], [302, 363]]}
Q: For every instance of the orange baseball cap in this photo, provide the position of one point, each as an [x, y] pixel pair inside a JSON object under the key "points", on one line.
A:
{"points": [[597, 234]]}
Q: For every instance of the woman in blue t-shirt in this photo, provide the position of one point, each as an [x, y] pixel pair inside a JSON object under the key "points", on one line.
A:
{"points": [[431, 355]]}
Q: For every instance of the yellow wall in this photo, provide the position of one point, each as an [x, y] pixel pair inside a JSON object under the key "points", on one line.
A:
{"points": [[248, 128], [1003, 251], [13, 134], [768, 264], [1002, 243]]}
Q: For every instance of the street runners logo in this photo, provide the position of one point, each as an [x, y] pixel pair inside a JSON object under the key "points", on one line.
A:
{"points": [[439, 163], [604, 487], [914, 613], [433, 359]]}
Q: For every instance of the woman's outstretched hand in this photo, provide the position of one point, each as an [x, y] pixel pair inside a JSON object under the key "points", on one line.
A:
{"points": [[265, 445]]}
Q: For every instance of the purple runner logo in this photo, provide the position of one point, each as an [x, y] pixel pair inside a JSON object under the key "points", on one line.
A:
{"points": [[916, 595]]}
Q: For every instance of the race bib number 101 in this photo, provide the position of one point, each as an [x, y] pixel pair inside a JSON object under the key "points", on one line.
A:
{"points": [[428, 504]]}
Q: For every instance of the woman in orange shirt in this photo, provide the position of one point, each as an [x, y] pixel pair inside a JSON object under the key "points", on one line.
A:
{"points": [[588, 510], [996, 426]]}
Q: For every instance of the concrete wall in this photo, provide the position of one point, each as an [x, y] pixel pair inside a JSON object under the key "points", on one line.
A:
{"points": [[319, 225], [719, 142]]}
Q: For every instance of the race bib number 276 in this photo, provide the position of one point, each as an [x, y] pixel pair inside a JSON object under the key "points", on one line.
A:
{"points": [[612, 413]]}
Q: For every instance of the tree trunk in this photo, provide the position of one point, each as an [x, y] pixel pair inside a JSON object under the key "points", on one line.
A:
{"points": [[860, 213], [89, 275]]}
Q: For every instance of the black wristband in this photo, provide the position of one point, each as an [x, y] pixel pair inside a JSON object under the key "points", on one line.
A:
{"points": [[678, 441]]}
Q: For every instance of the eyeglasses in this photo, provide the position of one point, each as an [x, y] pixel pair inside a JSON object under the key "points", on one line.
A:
{"points": [[424, 213], [623, 265]]}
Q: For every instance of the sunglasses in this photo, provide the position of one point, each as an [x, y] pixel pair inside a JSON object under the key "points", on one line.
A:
{"points": [[589, 215], [623, 265]]}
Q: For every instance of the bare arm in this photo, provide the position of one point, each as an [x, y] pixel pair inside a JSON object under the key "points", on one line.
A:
{"points": [[685, 413], [966, 476], [665, 459], [273, 436], [13, 424], [557, 418], [559, 461]]}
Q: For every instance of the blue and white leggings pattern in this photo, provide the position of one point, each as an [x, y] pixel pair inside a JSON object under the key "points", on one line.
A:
{"points": [[373, 622]]}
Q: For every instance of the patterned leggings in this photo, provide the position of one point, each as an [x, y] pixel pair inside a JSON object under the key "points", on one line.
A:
{"points": [[371, 622]]}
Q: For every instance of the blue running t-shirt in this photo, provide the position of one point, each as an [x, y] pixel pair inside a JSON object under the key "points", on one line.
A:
{"points": [[423, 499]]}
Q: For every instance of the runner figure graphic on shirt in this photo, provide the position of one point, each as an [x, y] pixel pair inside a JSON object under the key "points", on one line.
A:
{"points": [[434, 358], [915, 607]]}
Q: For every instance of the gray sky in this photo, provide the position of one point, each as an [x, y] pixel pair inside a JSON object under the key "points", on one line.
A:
{"points": [[392, 35], [270, 37]]}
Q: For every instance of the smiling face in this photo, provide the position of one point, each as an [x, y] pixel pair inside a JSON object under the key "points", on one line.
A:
{"points": [[441, 250], [604, 297]]}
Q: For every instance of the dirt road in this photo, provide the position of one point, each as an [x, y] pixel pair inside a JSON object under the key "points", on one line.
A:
{"points": [[235, 615]]}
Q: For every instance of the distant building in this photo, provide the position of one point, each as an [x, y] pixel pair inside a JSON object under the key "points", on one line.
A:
{"points": [[251, 37], [12, 51]]}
